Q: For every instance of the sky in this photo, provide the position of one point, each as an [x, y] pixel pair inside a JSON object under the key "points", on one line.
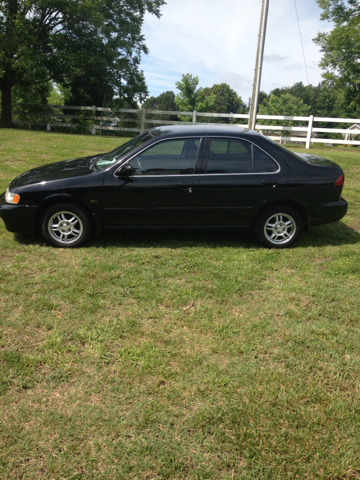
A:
{"points": [[216, 40]]}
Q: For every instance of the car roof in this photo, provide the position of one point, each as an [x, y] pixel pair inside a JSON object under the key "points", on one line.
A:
{"points": [[203, 130]]}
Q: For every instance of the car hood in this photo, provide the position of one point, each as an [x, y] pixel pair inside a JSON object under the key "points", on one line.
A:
{"points": [[54, 171], [317, 160]]}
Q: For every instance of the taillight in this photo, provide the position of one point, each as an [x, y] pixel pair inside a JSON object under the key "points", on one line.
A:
{"points": [[340, 181]]}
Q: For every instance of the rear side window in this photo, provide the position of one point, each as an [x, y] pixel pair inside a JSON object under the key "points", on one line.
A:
{"points": [[228, 155]]}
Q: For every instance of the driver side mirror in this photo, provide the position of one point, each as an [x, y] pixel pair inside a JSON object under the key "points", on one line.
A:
{"points": [[125, 171]]}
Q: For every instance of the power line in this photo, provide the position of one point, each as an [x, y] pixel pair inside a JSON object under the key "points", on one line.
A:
{"points": [[302, 45]]}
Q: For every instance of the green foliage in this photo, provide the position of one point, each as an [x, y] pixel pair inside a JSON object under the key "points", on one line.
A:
{"points": [[226, 100], [192, 98], [220, 98], [324, 100], [127, 120], [262, 96], [285, 104], [56, 96], [165, 101], [37, 93], [92, 47], [308, 94], [330, 102], [341, 50], [338, 10]]}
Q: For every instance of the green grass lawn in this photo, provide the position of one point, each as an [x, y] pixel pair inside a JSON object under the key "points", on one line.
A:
{"points": [[178, 355]]}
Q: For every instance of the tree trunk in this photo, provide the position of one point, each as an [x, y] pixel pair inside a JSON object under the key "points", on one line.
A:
{"points": [[5, 119]]}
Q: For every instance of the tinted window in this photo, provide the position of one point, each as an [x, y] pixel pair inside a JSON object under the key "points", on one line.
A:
{"points": [[109, 158], [170, 157], [262, 162], [229, 156], [237, 156]]}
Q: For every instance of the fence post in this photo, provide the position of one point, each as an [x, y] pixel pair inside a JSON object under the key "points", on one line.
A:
{"points": [[194, 118], [309, 132], [48, 126], [93, 131], [142, 120]]}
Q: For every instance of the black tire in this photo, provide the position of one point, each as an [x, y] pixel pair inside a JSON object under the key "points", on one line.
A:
{"points": [[66, 225], [278, 227]]}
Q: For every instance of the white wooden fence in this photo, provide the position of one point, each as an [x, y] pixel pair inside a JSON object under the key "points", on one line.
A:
{"points": [[97, 119]]}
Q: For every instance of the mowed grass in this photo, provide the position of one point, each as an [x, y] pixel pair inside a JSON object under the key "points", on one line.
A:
{"points": [[178, 355]]}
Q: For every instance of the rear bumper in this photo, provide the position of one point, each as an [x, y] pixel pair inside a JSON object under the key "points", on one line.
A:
{"points": [[327, 212], [18, 218]]}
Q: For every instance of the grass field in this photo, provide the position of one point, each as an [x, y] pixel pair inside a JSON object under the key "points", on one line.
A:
{"points": [[178, 355]]}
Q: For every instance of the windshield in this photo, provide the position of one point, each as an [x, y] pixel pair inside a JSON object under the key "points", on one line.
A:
{"points": [[110, 158]]}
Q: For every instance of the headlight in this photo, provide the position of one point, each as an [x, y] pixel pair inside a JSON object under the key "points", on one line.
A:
{"points": [[11, 197]]}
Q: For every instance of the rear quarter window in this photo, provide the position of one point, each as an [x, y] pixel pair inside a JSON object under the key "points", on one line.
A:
{"points": [[263, 163]]}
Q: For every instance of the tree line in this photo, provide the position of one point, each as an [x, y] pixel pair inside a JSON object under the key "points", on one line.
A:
{"points": [[323, 100], [91, 51]]}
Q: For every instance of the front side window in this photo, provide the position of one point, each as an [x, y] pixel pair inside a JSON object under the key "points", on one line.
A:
{"points": [[170, 157], [112, 157], [228, 155]]}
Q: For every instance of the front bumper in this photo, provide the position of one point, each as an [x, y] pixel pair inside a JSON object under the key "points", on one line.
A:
{"points": [[18, 218], [327, 212]]}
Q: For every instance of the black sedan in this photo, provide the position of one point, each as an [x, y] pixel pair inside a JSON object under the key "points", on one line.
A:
{"points": [[183, 176]]}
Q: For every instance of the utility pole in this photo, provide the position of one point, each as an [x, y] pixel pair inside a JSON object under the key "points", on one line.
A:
{"points": [[258, 66]]}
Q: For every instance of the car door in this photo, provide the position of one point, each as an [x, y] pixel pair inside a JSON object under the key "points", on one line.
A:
{"points": [[237, 178], [162, 188]]}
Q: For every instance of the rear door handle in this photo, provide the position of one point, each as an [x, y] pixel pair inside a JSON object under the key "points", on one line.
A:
{"points": [[186, 186], [270, 184]]}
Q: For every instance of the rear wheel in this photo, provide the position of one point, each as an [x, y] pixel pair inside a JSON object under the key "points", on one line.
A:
{"points": [[65, 225], [278, 227]]}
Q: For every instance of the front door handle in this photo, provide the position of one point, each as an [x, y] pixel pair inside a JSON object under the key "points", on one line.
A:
{"points": [[186, 186]]}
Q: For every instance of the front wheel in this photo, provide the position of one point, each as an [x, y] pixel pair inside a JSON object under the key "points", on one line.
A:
{"points": [[65, 225], [278, 227]]}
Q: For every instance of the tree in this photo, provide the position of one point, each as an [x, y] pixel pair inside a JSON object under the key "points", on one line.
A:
{"points": [[192, 98], [324, 100], [262, 96], [36, 94], [341, 49], [329, 102], [92, 47], [226, 100], [307, 93], [56, 95], [165, 101], [285, 104], [220, 98]]}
